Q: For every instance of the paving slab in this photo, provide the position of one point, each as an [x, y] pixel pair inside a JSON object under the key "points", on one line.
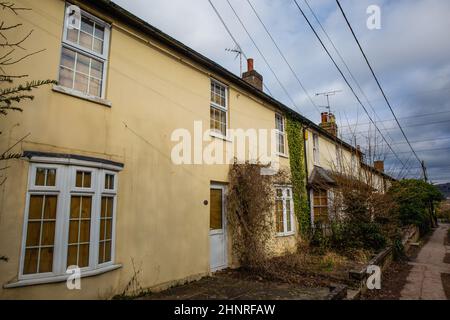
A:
{"points": [[226, 287], [424, 280]]}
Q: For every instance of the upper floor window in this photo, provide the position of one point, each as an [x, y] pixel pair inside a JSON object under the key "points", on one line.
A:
{"points": [[280, 133], [218, 108], [84, 56], [338, 158], [316, 152], [69, 220], [284, 211]]}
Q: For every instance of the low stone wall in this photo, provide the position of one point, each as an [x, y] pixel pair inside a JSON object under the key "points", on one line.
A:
{"points": [[383, 258]]}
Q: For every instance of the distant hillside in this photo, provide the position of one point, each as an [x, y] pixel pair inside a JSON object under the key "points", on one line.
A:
{"points": [[445, 189]]}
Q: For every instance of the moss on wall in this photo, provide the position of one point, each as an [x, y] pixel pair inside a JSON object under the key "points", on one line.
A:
{"points": [[296, 144]]}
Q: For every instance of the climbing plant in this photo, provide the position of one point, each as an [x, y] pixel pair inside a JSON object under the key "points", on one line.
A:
{"points": [[296, 143]]}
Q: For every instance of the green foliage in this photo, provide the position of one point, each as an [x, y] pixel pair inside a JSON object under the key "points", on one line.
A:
{"points": [[414, 199], [345, 236], [295, 137]]}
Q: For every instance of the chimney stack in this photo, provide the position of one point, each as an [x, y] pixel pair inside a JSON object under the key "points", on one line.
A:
{"points": [[329, 123], [379, 165], [252, 76]]}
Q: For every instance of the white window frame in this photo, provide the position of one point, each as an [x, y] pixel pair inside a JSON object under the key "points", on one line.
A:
{"points": [[285, 197], [316, 149], [281, 133], [338, 158], [221, 108], [64, 189], [65, 43]]}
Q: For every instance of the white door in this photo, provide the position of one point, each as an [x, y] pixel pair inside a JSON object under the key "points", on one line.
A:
{"points": [[217, 228]]}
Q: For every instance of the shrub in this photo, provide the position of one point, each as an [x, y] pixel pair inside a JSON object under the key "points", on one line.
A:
{"points": [[414, 201]]}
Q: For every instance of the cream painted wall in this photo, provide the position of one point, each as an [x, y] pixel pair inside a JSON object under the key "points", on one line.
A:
{"points": [[162, 223]]}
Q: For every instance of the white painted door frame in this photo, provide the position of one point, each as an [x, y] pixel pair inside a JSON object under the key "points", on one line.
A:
{"points": [[218, 238]]}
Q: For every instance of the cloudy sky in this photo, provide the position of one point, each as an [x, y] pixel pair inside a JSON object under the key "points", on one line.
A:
{"points": [[410, 55]]}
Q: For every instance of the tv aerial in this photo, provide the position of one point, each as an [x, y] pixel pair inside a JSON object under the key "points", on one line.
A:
{"points": [[327, 95], [239, 54]]}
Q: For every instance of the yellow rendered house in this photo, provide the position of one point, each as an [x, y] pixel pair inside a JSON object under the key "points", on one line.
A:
{"points": [[97, 186]]}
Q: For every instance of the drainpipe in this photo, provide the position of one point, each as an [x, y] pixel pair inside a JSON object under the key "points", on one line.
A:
{"points": [[306, 171]]}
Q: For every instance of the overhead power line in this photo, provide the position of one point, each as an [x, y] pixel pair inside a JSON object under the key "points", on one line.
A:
{"points": [[346, 66], [284, 57], [234, 39], [346, 80], [264, 57], [376, 79]]}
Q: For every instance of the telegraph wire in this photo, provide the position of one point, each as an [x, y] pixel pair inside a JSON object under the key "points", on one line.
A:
{"points": [[376, 79], [264, 57], [284, 57], [345, 79]]}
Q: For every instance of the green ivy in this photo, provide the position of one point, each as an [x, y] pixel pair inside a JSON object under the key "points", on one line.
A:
{"points": [[296, 144]]}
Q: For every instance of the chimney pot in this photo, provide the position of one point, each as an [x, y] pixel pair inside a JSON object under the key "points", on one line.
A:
{"points": [[328, 123], [252, 77], [249, 64], [379, 165]]}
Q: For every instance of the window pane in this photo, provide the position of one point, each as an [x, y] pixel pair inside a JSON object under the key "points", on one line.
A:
{"points": [[48, 233], [98, 46], [279, 215], [87, 26], [35, 211], [31, 261], [75, 207], [51, 177], [81, 82], [97, 69], [215, 211], [85, 40], [83, 256], [288, 215], [87, 180], [73, 231], [99, 32], [72, 255], [83, 63], [85, 228], [86, 204], [40, 177], [68, 58], [66, 78], [50, 207], [33, 234], [95, 87], [107, 251], [109, 181], [46, 260]]}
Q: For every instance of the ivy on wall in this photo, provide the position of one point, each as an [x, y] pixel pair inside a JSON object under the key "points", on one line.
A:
{"points": [[294, 130]]}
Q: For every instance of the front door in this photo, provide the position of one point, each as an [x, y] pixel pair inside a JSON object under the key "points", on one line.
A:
{"points": [[217, 228]]}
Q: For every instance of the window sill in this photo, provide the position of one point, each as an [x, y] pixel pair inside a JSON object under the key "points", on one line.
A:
{"points": [[60, 278], [284, 235], [220, 136], [80, 95], [283, 155]]}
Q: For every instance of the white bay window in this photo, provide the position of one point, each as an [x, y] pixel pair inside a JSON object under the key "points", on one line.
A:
{"points": [[69, 220]]}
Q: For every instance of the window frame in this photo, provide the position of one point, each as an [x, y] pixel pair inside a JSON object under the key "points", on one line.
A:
{"points": [[65, 43], [225, 109], [65, 180], [313, 205], [281, 133], [316, 149], [283, 198]]}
